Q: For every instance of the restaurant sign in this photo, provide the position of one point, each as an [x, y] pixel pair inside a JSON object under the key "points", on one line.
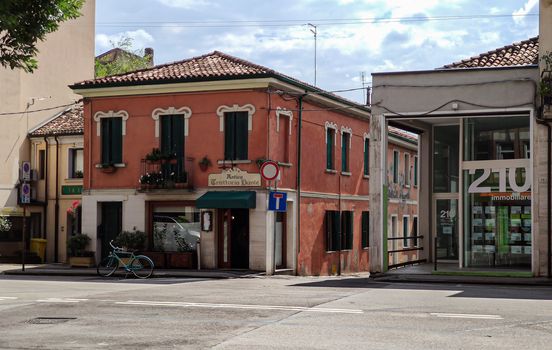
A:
{"points": [[234, 177]]}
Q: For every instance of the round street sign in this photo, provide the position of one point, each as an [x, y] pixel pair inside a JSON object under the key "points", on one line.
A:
{"points": [[270, 170]]}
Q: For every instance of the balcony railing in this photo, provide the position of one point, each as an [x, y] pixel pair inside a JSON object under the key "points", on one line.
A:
{"points": [[171, 173]]}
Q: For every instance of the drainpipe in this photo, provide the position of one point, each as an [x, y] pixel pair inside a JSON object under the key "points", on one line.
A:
{"points": [[548, 193], [298, 181], [46, 200], [56, 207]]}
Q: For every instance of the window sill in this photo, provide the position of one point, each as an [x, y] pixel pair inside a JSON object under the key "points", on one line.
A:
{"points": [[331, 171], [365, 176], [74, 179], [346, 173], [366, 248], [229, 161], [116, 165]]}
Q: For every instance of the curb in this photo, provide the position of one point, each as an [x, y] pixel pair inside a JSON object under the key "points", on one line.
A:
{"points": [[518, 281]]}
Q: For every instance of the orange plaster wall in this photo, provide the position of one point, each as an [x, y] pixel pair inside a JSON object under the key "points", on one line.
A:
{"points": [[204, 136]]}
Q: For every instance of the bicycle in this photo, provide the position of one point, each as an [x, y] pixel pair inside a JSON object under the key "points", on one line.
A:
{"points": [[139, 265]]}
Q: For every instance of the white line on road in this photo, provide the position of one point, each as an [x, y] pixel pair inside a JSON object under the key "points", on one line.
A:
{"points": [[7, 298], [240, 306], [60, 300], [473, 316]]}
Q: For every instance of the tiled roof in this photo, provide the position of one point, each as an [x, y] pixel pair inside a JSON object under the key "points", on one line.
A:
{"points": [[396, 132], [68, 122], [517, 54], [212, 65]]}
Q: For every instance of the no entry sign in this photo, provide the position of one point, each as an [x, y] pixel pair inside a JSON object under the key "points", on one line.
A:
{"points": [[270, 170]]}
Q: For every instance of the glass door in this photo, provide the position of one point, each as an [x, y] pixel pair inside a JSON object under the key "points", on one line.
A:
{"points": [[446, 229]]}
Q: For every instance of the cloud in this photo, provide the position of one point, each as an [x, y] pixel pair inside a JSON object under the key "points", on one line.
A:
{"points": [[520, 14], [184, 4], [140, 39]]}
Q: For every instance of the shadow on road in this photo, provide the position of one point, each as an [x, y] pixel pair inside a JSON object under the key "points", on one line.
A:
{"points": [[462, 290]]}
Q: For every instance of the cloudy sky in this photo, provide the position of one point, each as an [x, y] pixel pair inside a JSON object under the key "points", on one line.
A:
{"points": [[353, 36]]}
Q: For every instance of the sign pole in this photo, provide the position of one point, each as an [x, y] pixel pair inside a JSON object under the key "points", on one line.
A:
{"points": [[274, 233], [24, 239]]}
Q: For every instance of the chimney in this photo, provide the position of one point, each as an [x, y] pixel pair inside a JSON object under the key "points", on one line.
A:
{"points": [[148, 53]]}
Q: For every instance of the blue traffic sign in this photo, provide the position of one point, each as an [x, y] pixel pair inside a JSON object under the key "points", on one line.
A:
{"points": [[277, 201]]}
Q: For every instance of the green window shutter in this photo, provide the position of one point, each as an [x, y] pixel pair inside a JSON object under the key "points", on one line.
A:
{"points": [[415, 171], [178, 143], [229, 135], [347, 229], [117, 140], [365, 229], [242, 135], [336, 231], [328, 226], [345, 151], [106, 135], [329, 148], [166, 135], [366, 157]]}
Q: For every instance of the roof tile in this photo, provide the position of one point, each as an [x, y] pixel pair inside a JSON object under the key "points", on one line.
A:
{"points": [[68, 122], [517, 54]]}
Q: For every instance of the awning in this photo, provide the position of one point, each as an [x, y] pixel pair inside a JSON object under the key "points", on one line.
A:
{"points": [[227, 199]]}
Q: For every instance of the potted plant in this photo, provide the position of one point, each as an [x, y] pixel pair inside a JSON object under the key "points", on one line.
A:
{"points": [[204, 163], [154, 156], [131, 240], [78, 255], [78, 174]]}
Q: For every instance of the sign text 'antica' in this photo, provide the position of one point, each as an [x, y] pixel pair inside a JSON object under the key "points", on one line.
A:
{"points": [[234, 177]]}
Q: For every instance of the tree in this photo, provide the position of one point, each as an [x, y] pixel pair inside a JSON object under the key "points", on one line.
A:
{"points": [[24, 22], [121, 59]]}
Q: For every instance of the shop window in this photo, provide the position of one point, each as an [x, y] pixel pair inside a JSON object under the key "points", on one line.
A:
{"points": [[395, 166], [236, 135], [446, 152], [345, 145], [365, 229], [366, 156], [407, 170], [347, 229], [112, 140], [333, 226], [406, 229], [14, 233], [76, 165], [176, 229], [41, 164]]}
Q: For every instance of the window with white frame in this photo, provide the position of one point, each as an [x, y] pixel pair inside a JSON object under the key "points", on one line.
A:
{"points": [[331, 131], [346, 134], [395, 166], [406, 229], [407, 170], [76, 164], [415, 171]]}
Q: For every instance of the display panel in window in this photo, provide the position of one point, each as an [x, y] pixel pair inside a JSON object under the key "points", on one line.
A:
{"points": [[177, 230]]}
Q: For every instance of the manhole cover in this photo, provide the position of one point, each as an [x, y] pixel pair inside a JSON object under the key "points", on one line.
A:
{"points": [[50, 320]]}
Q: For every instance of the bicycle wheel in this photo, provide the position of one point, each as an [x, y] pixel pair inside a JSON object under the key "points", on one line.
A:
{"points": [[107, 266], [141, 266]]}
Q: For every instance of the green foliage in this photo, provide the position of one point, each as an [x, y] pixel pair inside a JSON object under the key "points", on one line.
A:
{"points": [[131, 240], [5, 224], [126, 61], [23, 23], [76, 245]]}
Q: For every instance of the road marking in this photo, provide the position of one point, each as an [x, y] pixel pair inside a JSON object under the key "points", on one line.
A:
{"points": [[7, 298], [473, 316], [240, 306], [60, 300]]}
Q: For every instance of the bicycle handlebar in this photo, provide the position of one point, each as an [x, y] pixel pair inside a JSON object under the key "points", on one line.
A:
{"points": [[114, 247]]}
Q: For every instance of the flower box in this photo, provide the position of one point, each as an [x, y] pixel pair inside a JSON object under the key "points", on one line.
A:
{"points": [[82, 261], [181, 260]]}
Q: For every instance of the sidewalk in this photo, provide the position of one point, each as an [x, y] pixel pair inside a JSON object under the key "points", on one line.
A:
{"points": [[66, 270], [424, 273]]}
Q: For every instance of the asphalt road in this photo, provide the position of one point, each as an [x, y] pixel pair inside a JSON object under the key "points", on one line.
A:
{"points": [[269, 313]]}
